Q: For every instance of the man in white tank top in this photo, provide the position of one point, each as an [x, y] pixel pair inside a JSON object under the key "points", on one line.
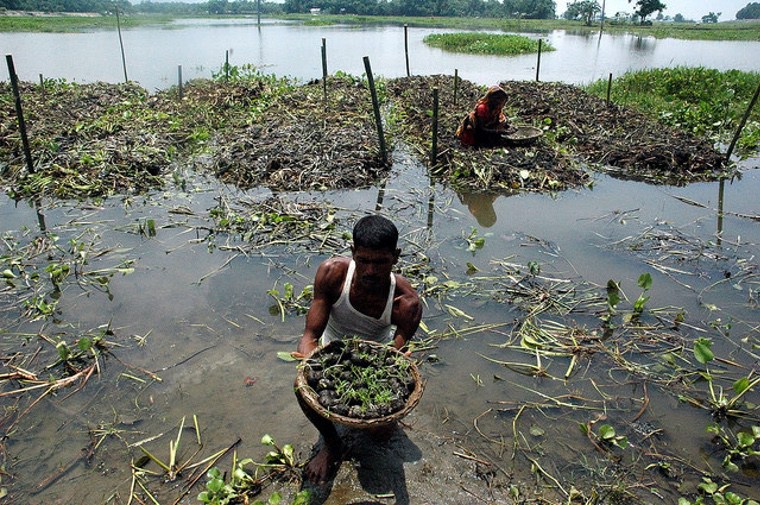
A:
{"points": [[357, 296]]}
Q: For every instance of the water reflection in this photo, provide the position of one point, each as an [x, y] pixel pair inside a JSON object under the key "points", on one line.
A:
{"points": [[643, 44], [480, 206]]}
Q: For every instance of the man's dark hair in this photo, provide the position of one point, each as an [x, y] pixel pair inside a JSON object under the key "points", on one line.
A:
{"points": [[376, 232]]}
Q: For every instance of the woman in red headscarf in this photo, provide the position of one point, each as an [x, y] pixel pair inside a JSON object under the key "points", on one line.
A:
{"points": [[486, 124]]}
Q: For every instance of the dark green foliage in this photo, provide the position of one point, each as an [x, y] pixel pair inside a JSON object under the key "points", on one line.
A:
{"points": [[751, 11], [521, 9]]}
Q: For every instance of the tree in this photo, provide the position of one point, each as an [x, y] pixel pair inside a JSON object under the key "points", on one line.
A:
{"points": [[583, 9], [711, 18], [678, 18], [751, 11], [646, 7]]}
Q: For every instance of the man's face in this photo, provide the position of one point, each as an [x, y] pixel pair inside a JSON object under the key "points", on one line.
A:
{"points": [[373, 266]]}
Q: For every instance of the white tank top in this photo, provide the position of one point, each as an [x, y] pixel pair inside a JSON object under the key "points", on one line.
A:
{"points": [[346, 321]]}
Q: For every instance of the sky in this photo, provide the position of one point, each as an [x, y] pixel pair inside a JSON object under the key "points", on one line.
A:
{"points": [[690, 9]]}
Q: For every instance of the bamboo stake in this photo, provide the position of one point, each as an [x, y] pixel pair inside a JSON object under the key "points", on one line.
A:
{"points": [[20, 113], [324, 67], [538, 63], [179, 80], [609, 89], [121, 44], [376, 108], [456, 84], [406, 47], [742, 123], [226, 66], [434, 147]]}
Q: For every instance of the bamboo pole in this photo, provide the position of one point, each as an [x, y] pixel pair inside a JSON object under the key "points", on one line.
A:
{"points": [[434, 147], [538, 63], [324, 67], [258, 12], [226, 66], [406, 48], [121, 45], [19, 113], [376, 108], [456, 84], [179, 81], [609, 88], [742, 123], [721, 196]]}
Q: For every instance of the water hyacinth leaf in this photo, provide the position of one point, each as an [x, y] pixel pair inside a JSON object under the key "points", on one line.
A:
{"points": [[471, 269], [537, 431], [288, 451], [708, 486], [84, 344], [741, 385], [286, 356], [702, 350], [645, 281], [745, 439], [63, 351], [613, 293], [606, 432], [267, 440]]}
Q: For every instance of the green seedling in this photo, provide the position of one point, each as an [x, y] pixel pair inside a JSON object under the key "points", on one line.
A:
{"points": [[718, 494], [288, 303], [474, 242], [720, 402], [247, 478], [645, 283], [605, 436], [739, 446]]}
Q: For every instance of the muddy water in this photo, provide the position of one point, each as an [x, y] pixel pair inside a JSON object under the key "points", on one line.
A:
{"points": [[200, 318]]}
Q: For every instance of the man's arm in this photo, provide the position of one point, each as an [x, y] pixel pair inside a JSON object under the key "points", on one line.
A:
{"points": [[327, 285], [407, 312]]}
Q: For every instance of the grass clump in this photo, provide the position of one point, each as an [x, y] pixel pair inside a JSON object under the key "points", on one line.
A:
{"points": [[706, 102], [485, 43]]}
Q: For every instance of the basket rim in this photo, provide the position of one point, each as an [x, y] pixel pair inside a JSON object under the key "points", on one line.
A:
{"points": [[310, 397]]}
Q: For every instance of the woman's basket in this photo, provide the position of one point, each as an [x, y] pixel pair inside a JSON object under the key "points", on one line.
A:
{"points": [[309, 395]]}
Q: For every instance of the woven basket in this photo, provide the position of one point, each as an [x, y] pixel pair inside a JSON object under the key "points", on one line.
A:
{"points": [[310, 396]]}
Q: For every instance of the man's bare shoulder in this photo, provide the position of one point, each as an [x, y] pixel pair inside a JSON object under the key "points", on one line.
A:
{"points": [[331, 273]]}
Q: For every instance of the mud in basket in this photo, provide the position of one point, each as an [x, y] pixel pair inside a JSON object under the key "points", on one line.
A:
{"points": [[345, 347]]}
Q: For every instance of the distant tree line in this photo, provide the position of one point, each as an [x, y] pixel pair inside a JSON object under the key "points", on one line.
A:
{"points": [[65, 5], [584, 10], [751, 11], [526, 9], [106, 6]]}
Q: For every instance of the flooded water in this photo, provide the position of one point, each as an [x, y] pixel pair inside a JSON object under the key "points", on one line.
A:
{"points": [[198, 316], [153, 54]]}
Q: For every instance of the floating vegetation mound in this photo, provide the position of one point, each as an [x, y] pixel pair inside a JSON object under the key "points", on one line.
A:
{"points": [[625, 142], [101, 139], [537, 167], [303, 142], [88, 139]]}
